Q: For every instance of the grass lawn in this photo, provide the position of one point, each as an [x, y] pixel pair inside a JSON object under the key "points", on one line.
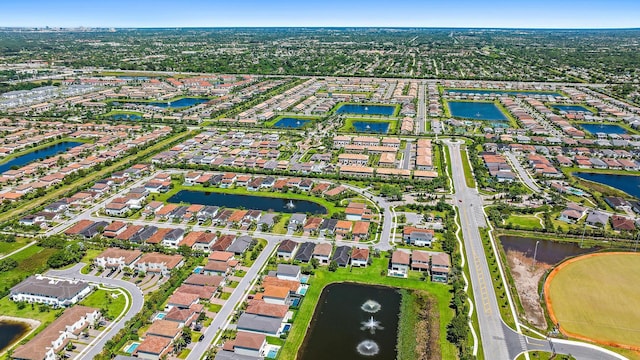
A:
{"points": [[528, 222], [225, 295], [121, 112], [281, 226], [541, 355], [8, 307], [466, 166], [330, 206], [215, 308], [597, 297], [7, 247], [31, 260], [348, 125], [369, 275], [184, 353], [103, 299]]}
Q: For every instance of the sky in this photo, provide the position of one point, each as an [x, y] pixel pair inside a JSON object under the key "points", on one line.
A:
{"points": [[329, 13]]}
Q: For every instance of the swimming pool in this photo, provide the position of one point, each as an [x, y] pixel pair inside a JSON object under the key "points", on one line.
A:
{"points": [[286, 327], [295, 302], [198, 270], [304, 279], [302, 290], [272, 354], [159, 316], [132, 348]]}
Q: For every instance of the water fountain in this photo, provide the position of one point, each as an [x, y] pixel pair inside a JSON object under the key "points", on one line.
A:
{"points": [[372, 325], [368, 126], [368, 348], [371, 306], [366, 108], [290, 205]]}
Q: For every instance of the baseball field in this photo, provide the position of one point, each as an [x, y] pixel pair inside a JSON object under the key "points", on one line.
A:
{"points": [[597, 298]]}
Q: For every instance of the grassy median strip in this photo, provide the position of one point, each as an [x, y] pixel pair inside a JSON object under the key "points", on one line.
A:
{"points": [[468, 175]]}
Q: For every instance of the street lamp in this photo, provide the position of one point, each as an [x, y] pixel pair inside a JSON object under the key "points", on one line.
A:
{"points": [[535, 252]]}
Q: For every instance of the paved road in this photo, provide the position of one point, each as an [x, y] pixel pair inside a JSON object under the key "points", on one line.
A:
{"points": [[220, 321], [136, 304], [422, 111], [498, 340], [406, 158], [524, 175]]}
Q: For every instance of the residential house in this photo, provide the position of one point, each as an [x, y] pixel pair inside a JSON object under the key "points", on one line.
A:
{"points": [[420, 260], [159, 263], [305, 252], [400, 262], [153, 348], [297, 221], [440, 267], [117, 258], [359, 257], [322, 252], [416, 236], [341, 255], [54, 292], [287, 249]]}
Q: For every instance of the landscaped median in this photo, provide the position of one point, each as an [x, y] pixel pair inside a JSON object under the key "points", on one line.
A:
{"points": [[375, 274]]}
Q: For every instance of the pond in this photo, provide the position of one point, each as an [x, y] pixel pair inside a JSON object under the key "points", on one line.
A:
{"points": [[501, 92], [291, 123], [126, 117], [476, 110], [181, 103], [627, 183], [377, 127], [38, 155], [604, 128], [572, 109], [549, 252], [253, 202], [366, 109], [358, 321], [10, 331]]}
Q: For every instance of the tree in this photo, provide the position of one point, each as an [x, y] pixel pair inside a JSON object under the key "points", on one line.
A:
{"points": [[315, 263], [333, 265], [458, 330]]}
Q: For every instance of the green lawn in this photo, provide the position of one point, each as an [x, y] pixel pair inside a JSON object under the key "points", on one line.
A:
{"points": [[7, 247], [281, 226], [30, 261], [225, 295], [541, 355], [215, 308], [369, 275], [528, 222], [105, 300], [348, 124], [466, 166]]}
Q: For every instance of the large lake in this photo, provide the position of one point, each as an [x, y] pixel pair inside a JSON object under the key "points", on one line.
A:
{"points": [[376, 127], [500, 92], [252, 202], [476, 110], [366, 109], [549, 252], [627, 183], [181, 103], [604, 128], [11, 331], [572, 109], [291, 123], [38, 155], [337, 331]]}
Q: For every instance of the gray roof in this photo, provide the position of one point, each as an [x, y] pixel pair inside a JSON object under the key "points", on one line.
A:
{"points": [[257, 323], [341, 255], [59, 289], [288, 270], [267, 219], [305, 251], [230, 355], [596, 217], [240, 244], [298, 218]]}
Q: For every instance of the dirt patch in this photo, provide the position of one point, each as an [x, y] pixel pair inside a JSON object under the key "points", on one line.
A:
{"points": [[526, 278]]}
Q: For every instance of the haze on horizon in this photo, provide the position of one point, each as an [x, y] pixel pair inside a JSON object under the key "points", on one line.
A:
{"points": [[328, 13]]}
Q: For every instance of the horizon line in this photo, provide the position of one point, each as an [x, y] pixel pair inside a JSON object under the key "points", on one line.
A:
{"points": [[313, 27]]}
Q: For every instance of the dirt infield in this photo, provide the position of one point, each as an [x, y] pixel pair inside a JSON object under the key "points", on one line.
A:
{"points": [[593, 306]]}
